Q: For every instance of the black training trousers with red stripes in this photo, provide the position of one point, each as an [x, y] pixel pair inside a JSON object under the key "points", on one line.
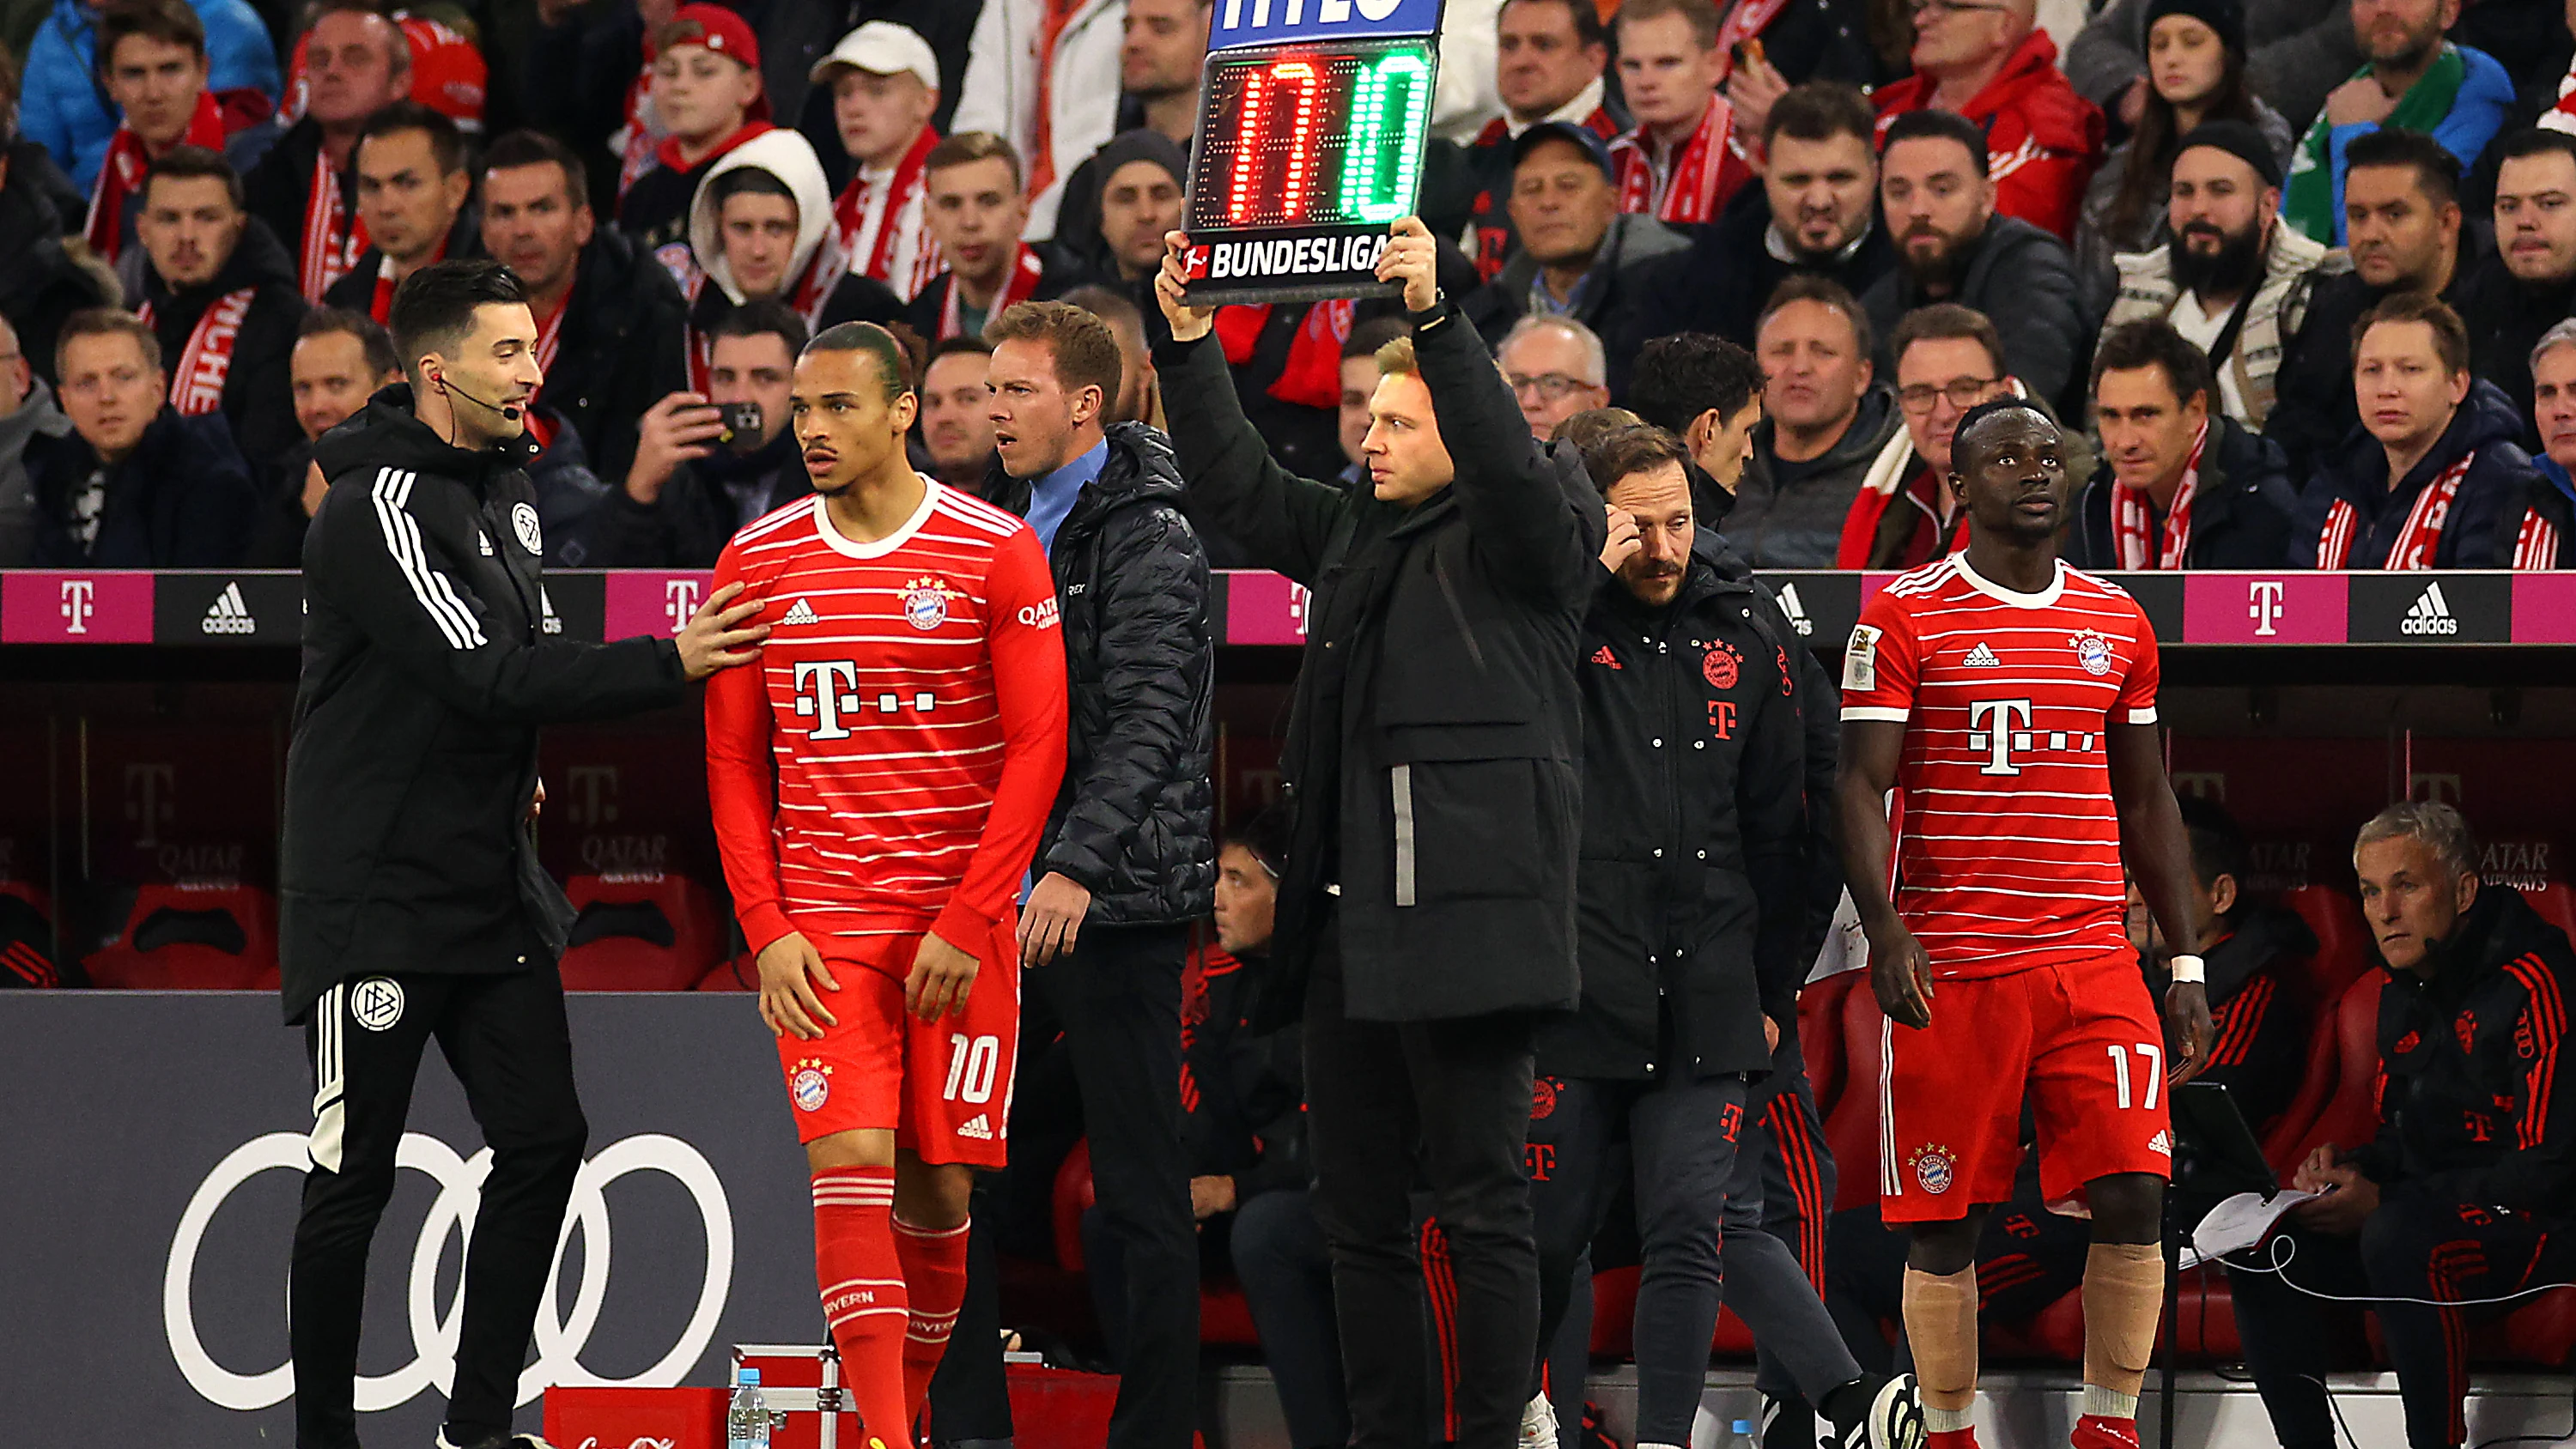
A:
{"points": [[2415, 1253]]}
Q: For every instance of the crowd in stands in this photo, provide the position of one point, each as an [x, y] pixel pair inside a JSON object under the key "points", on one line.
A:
{"points": [[2299, 279], [2315, 262]]}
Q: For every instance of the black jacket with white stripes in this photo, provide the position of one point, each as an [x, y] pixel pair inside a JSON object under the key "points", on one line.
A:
{"points": [[430, 658]]}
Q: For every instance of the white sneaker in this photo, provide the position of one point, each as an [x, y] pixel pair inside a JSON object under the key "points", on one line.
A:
{"points": [[1894, 1420], [1538, 1424]]}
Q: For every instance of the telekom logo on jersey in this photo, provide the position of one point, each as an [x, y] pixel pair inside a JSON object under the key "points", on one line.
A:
{"points": [[1993, 730], [827, 693]]}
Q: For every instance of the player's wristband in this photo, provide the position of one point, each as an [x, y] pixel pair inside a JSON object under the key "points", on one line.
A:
{"points": [[2188, 968]]}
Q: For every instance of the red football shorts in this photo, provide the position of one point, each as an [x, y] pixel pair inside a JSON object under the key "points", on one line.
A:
{"points": [[943, 1086], [2081, 1040]]}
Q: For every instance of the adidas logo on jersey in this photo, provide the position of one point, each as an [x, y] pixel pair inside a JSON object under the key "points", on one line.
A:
{"points": [[1603, 655], [2161, 1143], [2431, 613], [484, 541], [801, 612], [978, 1128], [228, 614], [1982, 657]]}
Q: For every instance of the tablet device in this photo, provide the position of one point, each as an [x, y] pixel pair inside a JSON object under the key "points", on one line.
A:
{"points": [[2215, 1151]]}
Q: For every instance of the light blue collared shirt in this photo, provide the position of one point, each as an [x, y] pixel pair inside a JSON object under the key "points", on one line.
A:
{"points": [[1052, 497]]}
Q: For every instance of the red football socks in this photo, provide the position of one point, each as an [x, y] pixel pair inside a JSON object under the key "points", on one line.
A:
{"points": [[864, 1301], [934, 1272]]}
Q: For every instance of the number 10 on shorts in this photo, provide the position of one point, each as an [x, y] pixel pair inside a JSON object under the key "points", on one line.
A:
{"points": [[2152, 1055], [973, 1061]]}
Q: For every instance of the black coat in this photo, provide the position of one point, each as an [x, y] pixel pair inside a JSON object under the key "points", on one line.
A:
{"points": [[2474, 1110], [2485, 515], [406, 846], [619, 351], [1135, 821], [1243, 1091], [40, 285], [1434, 738], [2260, 1050], [2312, 404], [2240, 510], [1721, 282], [259, 391], [695, 515], [1694, 831], [356, 291], [2505, 320], [2024, 280], [277, 189], [183, 499]]}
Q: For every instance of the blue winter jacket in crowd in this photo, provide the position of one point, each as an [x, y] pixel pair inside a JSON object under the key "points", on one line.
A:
{"points": [[62, 107]]}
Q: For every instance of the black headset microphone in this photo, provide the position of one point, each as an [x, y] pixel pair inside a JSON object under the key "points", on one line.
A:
{"points": [[511, 413]]}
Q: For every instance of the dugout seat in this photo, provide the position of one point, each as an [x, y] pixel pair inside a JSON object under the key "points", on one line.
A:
{"points": [[1225, 1315], [2556, 902], [2337, 1100], [737, 974], [641, 932], [188, 936], [2343, 942], [27, 939]]}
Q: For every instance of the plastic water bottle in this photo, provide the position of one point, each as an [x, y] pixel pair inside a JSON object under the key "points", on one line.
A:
{"points": [[1739, 1435], [747, 1418]]}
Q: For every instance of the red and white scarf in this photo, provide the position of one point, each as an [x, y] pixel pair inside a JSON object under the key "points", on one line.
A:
{"points": [[120, 177], [2418, 540], [381, 305], [2133, 517], [636, 141], [206, 363], [1311, 374], [1022, 284], [882, 226], [334, 235], [2535, 546], [1694, 188], [550, 333], [2562, 115], [1748, 19]]}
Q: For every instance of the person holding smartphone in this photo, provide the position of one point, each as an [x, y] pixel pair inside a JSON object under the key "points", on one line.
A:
{"points": [[706, 463]]}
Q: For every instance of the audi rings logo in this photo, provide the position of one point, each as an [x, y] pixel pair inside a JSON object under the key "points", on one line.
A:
{"points": [[434, 1329]]}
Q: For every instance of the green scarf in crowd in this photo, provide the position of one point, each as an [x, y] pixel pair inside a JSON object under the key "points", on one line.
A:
{"points": [[2309, 201]]}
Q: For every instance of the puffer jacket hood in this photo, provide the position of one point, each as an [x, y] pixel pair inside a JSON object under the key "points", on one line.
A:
{"points": [[788, 156]]}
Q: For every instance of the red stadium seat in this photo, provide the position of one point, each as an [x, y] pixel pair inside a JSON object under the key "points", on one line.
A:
{"points": [[737, 974], [1614, 1312], [2556, 902], [190, 937], [641, 932], [2541, 1334], [2343, 941], [2344, 1054], [1225, 1315]]}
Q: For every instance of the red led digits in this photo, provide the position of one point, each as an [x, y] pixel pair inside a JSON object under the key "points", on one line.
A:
{"points": [[1301, 137], [1254, 140], [1247, 148]]}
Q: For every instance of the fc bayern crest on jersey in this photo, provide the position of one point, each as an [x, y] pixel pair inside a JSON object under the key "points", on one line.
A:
{"points": [[2093, 652], [523, 522], [1542, 1098], [811, 1086], [925, 603], [1722, 666], [1934, 1168]]}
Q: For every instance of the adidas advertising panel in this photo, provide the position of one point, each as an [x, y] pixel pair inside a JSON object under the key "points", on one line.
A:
{"points": [[1310, 140], [2420, 608], [147, 1303]]}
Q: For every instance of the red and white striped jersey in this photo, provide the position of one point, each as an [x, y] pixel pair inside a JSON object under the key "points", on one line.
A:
{"points": [[2008, 849], [888, 764]]}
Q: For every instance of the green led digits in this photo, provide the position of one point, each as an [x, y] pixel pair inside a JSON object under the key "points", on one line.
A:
{"points": [[1390, 109]]}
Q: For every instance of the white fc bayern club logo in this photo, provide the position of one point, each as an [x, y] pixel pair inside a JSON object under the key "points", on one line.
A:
{"points": [[376, 1003]]}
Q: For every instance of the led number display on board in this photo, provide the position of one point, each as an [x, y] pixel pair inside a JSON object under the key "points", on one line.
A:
{"points": [[1309, 143]]}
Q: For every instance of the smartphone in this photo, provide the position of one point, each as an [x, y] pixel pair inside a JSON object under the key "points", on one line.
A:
{"points": [[742, 425]]}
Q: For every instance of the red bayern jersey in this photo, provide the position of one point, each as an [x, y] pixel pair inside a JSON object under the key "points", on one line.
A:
{"points": [[2008, 849], [888, 764]]}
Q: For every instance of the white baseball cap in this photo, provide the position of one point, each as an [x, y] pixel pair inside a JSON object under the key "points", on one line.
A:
{"points": [[882, 47]]}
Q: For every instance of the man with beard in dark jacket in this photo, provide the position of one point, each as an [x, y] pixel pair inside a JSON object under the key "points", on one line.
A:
{"points": [[136, 484], [1814, 214], [694, 482], [1129, 857], [1427, 916], [1692, 918], [609, 319], [2461, 1195], [2435, 478], [2181, 484], [412, 901], [1953, 246], [220, 295]]}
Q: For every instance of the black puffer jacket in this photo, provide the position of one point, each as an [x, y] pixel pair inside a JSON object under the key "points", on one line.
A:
{"points": [[1694, 827], [2474, 1109], [183, 499], [619, 352], [1434, 743], [2240, 510], [2485, 516], [1136, 822], [2024, 279], [426, 673]]}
